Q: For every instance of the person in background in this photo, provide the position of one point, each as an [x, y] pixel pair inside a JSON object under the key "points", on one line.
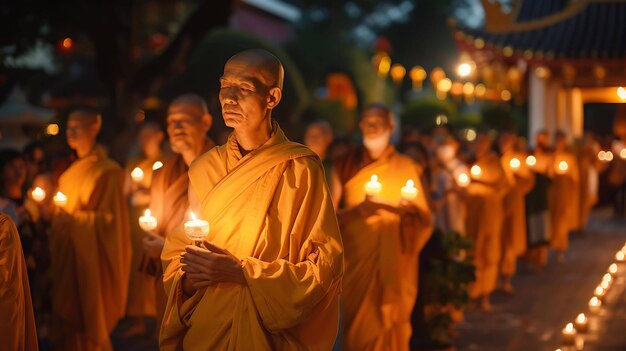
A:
{"points": [[318, 137], [36, 162]]}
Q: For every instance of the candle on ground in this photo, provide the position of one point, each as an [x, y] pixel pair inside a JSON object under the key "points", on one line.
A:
{"points": [[581, 323], [569, 335], [594, 305]]}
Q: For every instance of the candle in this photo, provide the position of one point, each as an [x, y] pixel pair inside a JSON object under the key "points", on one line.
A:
{"points": [[569, 335], [148, 222], [607, 277], [600, 292], [613, 269], [38, 194], [157, 165], [137, 174], [60, 199], [409, 191], [476, 171], [531, 161], [606, 284], [563, 166], [608, 156], [581, 323], [622, 154], [515, 163], [463, 179], [196, 229], [594, 305], [619, 256], [373, 187]]}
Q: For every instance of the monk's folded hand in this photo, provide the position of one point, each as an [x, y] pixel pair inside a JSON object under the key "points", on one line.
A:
{"points": [[153, 245], [213, 264]]}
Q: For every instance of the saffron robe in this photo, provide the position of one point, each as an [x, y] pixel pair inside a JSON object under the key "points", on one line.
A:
{"points": [[17, 322], [485, 216], [272, 209], [381, 254], [90, 252], [514, 236], [564, 200]]}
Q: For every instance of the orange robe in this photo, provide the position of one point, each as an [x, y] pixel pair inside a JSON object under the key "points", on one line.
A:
{"points": [[485, 216], [272, 209], [381, 254], [564, 200], [514, 235], [17, 322], [90, 254], [141, 293]]}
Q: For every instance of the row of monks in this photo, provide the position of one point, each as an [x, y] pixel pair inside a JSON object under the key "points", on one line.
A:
{"points": [[293, 229]]}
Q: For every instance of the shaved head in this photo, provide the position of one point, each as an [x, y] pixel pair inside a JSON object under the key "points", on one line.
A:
{"points": [[83, 127], [267, 65], [189, 104], [88, 117]]}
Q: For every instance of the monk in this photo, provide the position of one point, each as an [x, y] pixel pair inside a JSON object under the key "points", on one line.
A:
{"points": [[188, 122], [485, 217], [383, 235], [268, 275], [89, 243], [141, 288], [17, 322], [318, 137], [564, 195], [513, 232]]}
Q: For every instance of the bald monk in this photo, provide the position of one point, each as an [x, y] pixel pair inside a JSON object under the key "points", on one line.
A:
{"points": [[17, 322], [89, 243], [485, 216], [564, 196], [521, 180], [141, 288], [188, 122], [382, 236], [268, 275]]}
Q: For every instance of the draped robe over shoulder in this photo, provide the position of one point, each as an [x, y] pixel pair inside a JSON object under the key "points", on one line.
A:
{"points": [[564, 200], [90, 254], [17, 322], [381, 253], [272, 209]]}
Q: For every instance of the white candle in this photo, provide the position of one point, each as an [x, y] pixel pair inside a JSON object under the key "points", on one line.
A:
{"points": [[515, 163], [594, 305], [373, 187], [157, 165], [196, 229], [463, 179], [569, 334], [38, 194], [409, 191], [531, 161], [581, 323], [148, 222], [60, 199], [476, 171], [137, 174]]}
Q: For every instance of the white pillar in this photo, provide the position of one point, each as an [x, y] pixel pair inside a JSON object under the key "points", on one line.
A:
{"points": [[537, 88]]}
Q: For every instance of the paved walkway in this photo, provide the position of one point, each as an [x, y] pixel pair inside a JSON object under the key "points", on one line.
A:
{"points": [[544, 303]]}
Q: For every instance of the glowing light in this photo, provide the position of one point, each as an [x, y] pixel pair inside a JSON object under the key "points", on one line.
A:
{"points": [[444, 85], [384, 66], [196, 229], [594, 304], [463, 180], [621, 92], [599, 292], [373, 187], [52, 129], [607, 277], [468, 88], [515, 163], [542, 72], [531, 161], [464, 69], [622, 154], [417, 73], [505, 95], [137, 174], [441, 120], [60, 199], [38, 194], [67, 43], [147, 222], [476, 170], [619, 256], [582, 323], [397, 72], [608, 157], [409, 191], [563, 166], [157, 165], [470, 135], [480, 90], [613, 269]]}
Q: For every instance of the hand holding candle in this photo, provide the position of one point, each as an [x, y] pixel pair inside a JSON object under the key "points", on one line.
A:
{"points": [[38, 194], [60, 199], [409, 191], [197, 229], [148, 222], [373, 187]]}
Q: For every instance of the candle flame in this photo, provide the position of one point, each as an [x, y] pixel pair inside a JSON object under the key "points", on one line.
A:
{"points": [[463, 179], [137, 174], [147, 213], [605, 284], [619, 256], [569, 328], [599, 291], [410, 183], [613, 268], [607, 277], [515, 163], [581, 318], [563, 166], [60, 196], [374, 178], [193, 216], [38, 194], [531, 160], [476, 170], [157, 165], [622, 153]]}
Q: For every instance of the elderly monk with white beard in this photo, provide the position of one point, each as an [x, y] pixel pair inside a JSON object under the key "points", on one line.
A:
{"points": [[383, 235], [268, 275]]}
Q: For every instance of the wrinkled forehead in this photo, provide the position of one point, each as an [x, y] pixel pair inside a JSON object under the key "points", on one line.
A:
{"points": [[187, 108], [248, 71]]}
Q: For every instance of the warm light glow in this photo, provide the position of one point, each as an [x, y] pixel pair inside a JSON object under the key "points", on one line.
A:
{"points": [[621, 93], [67, 43], [531, 161], [595, 304], [157, 165], [52, 129], [468, 88], [601, 155], [444, 85], [60, 199], [464, 69], [605, 284], [475, 170], [607, 277], [480, 90], [38, 194], [463, 179], [608, 156], [137, 174], [417, 73], [505, 95], [409, 191], [581, 318], [613, 269], [622, 154], [542, 72], [196, 229], [563, 166], [384, 66], [441, 120], [147, 222], [599, 292], [569, 329], [515, 163], [470, 135], [193, 216], [619, 256], [397, 72], [373, 187]]}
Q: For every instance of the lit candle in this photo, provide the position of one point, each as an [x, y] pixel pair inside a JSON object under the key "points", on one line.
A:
{"points": [[60, 199], [569, 335], [476, 171], [563, 167], [607, 277], [622, 154], [613, 269], [619, 256], [409, 191], [608, 156], [581, 323], [600, 292], [148, 222], [594, 305], [463, 179], [196, 229], [515, 163], [606, 284], [137, 174], [531, 161], [157, 165], [601, 155], [38, 194], [373, 187]]}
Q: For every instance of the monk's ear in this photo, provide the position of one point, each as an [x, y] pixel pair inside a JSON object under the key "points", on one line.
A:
{"points": [[207, 121], [274, 97]]}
